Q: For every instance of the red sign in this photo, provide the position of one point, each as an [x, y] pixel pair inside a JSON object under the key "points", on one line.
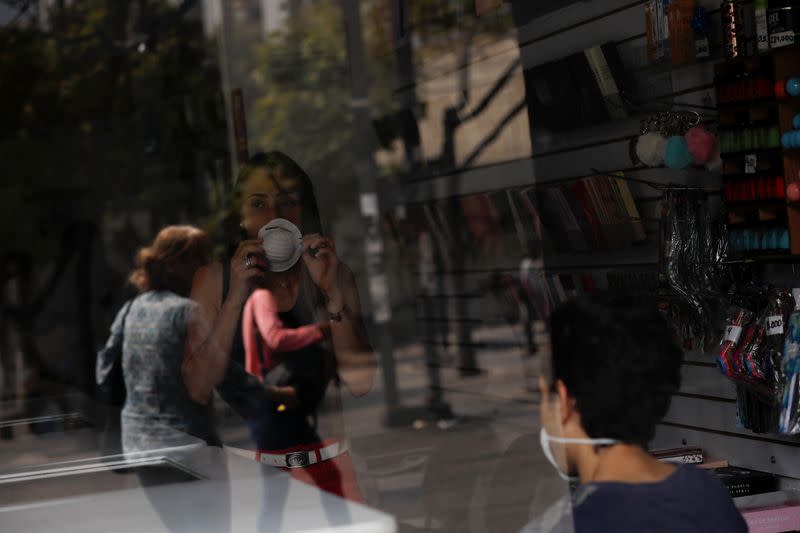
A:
{"points": [[239, 125]]}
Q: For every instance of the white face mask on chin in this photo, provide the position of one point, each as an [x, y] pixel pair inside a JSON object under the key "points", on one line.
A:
{"points": [[545, 438]]}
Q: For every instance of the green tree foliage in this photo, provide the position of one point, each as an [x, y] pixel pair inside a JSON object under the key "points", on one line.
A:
{"points": [[302, 103], [114, 108]]}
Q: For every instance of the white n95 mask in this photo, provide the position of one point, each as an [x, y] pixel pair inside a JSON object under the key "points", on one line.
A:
{"points": [[283, 244]]}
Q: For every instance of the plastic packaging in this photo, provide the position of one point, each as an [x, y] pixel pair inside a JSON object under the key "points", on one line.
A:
{"points": [[780, 306], [737, 320], [789, 422]]}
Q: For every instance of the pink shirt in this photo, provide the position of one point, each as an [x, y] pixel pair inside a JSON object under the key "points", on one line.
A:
{"points": [[261, 318]]}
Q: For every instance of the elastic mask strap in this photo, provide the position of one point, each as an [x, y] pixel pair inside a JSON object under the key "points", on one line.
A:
{"points": [[588, 442]]}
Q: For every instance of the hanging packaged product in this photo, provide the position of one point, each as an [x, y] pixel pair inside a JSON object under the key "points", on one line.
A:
{"points": [[701, 26], [654, 12], [749, 38], [763, 348], [782, 22], [762, 28], [781, 304], [681, 33], [737, 319], [789, 422], [754, 365], [732, 28], [749, 343]]}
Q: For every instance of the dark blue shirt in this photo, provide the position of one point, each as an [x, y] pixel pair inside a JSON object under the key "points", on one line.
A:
{"points": [[690, 500]]}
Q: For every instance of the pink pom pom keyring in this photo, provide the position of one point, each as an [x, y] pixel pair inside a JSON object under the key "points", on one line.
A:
{"points": [[701, 143]]}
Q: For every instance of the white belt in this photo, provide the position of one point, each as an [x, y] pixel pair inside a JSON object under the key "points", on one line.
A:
{"points": [[293, 459]]}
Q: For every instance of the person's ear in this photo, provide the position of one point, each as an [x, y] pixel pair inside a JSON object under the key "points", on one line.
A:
{"points": [[566, 403]]}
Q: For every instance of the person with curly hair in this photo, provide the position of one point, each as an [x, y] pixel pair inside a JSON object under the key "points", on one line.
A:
{"points": [[608, 382]]}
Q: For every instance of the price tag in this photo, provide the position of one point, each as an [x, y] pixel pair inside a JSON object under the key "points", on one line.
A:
{"points": [[702, 49], [784, 38], [774, 325], [750, 162], [732, 333]]}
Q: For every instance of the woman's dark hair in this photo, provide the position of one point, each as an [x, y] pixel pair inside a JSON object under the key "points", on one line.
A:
{"points": [[169, 264], [619, 361]]}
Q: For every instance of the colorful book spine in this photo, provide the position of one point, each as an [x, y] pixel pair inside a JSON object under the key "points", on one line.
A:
{"points": [[631, 210], [528, 201], [522, 238], [606, 83], [571, 218], [649, 31], [583, 223], [581, 192]]}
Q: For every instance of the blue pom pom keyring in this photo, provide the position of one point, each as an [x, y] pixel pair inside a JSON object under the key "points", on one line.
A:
{"points": [[677, 155]]}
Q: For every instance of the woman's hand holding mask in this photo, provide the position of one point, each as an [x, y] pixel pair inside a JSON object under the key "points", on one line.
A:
{"points": [[322, 263], [249, 262]]}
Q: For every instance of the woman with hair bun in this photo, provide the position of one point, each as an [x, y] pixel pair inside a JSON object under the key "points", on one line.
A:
{"points": [[152, 328]]}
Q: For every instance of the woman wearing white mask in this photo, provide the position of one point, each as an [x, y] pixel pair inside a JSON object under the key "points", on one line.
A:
{"points": [[613, 371], [287, 260]]}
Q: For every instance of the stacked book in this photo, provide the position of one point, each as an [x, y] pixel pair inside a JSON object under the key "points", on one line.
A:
{"points": [[579, 90], [745, 482], [595, 213], [688, 456]]}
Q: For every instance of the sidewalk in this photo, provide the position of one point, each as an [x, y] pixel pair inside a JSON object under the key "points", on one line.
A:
{"points": [[485, 474]]}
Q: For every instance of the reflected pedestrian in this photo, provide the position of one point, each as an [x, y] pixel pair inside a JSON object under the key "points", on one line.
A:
{"points": [[151, 330], [305, 284], [610, 379], [529, 293]]}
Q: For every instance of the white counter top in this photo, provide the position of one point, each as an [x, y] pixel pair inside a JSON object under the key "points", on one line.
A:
{"points": [[232, 494]]}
